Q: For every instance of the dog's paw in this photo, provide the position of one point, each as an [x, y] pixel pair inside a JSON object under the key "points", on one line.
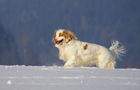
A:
{"points": [[67, 66]]}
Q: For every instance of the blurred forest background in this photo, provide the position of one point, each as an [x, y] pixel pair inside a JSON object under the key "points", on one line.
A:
{"points": [[27, 27]]}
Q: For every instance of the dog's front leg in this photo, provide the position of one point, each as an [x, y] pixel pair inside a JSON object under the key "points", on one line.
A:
{"points": [[70, 63]]}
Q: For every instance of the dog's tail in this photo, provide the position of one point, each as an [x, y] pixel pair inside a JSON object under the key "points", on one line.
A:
{"points": [[117, 50]]}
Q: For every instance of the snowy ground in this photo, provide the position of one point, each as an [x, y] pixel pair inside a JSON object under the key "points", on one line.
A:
{"points": [[57, 78]]}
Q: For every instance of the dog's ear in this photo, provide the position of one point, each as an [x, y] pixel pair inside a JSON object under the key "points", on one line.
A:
{"points": [[69, 35]]}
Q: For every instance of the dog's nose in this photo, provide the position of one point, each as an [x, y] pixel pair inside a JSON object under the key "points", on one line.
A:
{"points": [[54, 40]]}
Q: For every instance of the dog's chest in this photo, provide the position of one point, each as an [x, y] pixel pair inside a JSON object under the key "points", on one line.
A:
{"points": [[67, 52], [64, 54]]}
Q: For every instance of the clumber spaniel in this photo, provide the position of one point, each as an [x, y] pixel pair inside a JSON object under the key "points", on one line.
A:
{"points": [[77, 53]]}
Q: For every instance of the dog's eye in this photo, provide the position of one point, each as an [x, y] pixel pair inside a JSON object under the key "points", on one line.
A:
{"points": [[60, 34]]}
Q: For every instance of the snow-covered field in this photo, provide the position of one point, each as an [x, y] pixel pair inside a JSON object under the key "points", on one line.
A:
{"points": [[57, 78]]}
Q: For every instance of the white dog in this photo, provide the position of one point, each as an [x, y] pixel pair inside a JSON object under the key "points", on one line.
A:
{"points": [[76, 53]]}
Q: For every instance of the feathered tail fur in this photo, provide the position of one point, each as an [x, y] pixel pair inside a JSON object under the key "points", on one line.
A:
{"points": [[117, 50]]}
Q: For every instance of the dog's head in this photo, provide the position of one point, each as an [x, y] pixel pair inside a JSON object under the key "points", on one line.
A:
{"points": [[63, 37]]}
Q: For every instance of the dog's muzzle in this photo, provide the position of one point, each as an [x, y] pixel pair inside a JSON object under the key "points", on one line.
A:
{"points": [[58, 41]]}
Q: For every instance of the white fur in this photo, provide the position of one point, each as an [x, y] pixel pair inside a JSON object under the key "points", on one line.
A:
{"points": [[74, 54]]}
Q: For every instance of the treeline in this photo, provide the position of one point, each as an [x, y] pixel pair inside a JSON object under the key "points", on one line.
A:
{"points": [[8, 48], [31, 23]]}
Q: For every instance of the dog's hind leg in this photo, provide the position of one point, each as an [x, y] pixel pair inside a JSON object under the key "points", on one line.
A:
{"points": [[105, 60], [111, 65]]}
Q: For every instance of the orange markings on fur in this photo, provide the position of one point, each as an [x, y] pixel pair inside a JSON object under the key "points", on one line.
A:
{"points": [[69, 35], [61, 34], [85, 47], [55, 34]]}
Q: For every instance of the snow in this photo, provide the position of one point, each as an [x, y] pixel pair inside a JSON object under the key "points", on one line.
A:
{"points": [[57, 78]]}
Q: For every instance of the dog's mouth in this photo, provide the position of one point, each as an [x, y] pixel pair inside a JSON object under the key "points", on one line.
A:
{"points": [[58, 42]]}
